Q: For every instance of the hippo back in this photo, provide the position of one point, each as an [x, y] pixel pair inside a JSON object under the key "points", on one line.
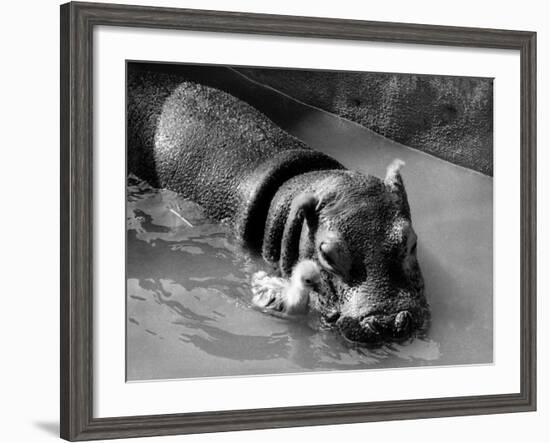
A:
{"points": [[213, 149]]}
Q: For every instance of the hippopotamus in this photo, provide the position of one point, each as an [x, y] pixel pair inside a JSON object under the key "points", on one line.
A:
{"points": [[284, 201]]}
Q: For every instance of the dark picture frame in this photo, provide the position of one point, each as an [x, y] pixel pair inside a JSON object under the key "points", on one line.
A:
{"points": [[77, 23]]}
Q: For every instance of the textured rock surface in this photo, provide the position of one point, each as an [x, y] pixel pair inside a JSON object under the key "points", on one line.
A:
{"points": [[449, 117]]}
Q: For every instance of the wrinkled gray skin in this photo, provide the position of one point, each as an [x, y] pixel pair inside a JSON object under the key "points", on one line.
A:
{"points": [[285, 201]]}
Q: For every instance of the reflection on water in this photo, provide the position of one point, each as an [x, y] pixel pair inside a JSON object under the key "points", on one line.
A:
{"points": [[189, 311]]}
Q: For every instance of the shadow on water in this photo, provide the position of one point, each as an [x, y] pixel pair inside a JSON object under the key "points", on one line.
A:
{"points": [[188, 297], [221, 343], [189, 310], [296, 344]]}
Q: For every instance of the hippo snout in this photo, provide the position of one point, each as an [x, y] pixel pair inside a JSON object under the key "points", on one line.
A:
{"points": [[376, 329]]}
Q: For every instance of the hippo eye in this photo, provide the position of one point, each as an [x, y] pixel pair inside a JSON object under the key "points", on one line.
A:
{"points": [[334, 257], [413, 249], [326, 251], [308, 281]]}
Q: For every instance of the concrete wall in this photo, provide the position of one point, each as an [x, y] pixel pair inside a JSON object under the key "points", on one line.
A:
{"points": [[449, 117]]}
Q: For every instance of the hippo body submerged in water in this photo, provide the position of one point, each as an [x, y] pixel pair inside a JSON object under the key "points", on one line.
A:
{"points": [[284, 201]]}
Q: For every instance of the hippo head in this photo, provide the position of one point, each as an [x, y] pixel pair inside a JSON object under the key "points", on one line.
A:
{"points": [[359, 229]]}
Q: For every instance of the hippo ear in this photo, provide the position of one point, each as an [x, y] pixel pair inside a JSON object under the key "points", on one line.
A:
{"points": [[393, 179]]}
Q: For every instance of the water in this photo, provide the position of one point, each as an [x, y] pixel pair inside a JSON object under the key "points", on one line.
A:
{"points": [[189, 311]]}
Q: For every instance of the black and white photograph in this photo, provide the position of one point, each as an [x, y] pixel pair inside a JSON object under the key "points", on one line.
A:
{"points": [[287, 221], [232, 221]]}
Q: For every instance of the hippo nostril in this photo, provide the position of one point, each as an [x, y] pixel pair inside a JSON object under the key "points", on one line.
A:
{"points": [[403, 322], [370, 326], [367, 331]]}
